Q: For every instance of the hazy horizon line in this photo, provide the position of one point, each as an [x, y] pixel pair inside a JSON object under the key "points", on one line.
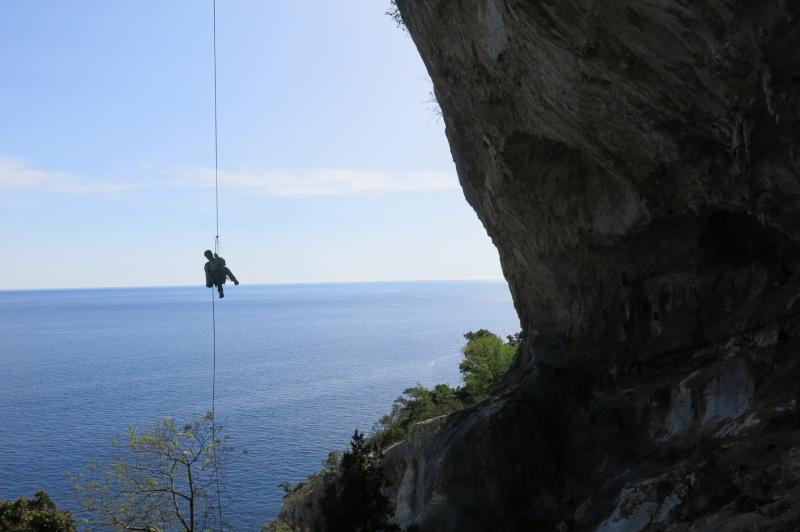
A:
{"points": [[286, 283]]}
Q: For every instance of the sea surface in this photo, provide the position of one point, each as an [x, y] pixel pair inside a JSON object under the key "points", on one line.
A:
{"points": [[299, 367]]}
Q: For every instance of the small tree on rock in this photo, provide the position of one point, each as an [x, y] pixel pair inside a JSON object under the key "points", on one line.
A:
{"points": [[353, 502], [162, 479], [415, 405], [486, 360]]}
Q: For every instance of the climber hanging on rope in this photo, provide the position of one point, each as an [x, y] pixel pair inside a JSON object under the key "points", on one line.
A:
{"points": [[217, 272]]}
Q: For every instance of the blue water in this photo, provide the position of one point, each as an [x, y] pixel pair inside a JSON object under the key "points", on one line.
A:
{"points": [[298, 368]]}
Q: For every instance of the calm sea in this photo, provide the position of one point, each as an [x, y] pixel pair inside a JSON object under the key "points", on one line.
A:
{"points": [[298, 368]]}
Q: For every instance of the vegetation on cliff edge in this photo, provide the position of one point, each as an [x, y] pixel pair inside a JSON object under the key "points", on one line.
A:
{"points": [[353, 499], [35, 515], [486, 360]]}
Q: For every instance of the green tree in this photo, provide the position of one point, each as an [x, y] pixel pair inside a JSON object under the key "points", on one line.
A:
{"points": [[353, 501], [332, 462], [35, 515], [514, 339], [486, 359], [415, 405], [165, 478], [480, 333]]}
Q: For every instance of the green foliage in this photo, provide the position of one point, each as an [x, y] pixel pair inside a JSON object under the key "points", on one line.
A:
{"points": [[514, 339], [480, 333], [355, 495], [415, 405], [486, 359], [353, 501], [160, 479], [277, 526], [333, 461], [35, 515]]}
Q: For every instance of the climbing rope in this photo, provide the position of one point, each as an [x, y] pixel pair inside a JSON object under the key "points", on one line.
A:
{"points": [[213, 409], [216, 143], [213, 305]]}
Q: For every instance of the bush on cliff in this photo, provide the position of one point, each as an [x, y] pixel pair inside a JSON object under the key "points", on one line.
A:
{"points": [[35, 515], [353, 502], [486, 360], [276, 526], [415, 405]]}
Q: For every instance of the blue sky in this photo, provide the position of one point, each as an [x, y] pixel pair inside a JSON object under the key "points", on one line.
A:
{"points": [[334, 165]]}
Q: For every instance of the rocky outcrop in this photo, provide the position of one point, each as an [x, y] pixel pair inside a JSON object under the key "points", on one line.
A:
{"points": [[701, 439], [302, 506], [637, 165]]}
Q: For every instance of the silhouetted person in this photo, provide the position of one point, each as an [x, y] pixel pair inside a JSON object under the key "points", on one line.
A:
{"points": [[217, 272]]}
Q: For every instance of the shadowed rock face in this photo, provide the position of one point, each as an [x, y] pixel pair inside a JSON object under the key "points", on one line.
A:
{"points": [[637, 165], [629, 159]]}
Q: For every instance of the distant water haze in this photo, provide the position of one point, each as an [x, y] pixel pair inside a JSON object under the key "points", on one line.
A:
{"points": [[299, 367]]}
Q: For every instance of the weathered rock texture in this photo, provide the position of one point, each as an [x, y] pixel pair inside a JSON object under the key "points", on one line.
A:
{"points": [[637, 164], [302, 507]]}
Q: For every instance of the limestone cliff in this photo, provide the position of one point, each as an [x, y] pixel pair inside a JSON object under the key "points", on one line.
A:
{"points": [[637, 165]]}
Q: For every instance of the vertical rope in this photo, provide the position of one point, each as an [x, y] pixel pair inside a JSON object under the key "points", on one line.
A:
{"points": [[213, 406], [216, 142], [213, 304]]}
